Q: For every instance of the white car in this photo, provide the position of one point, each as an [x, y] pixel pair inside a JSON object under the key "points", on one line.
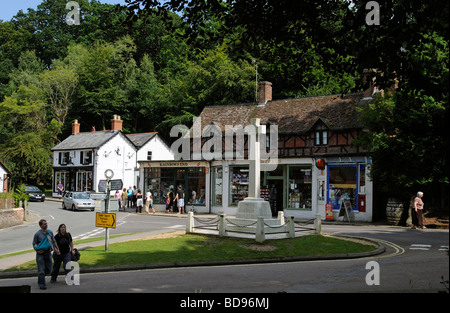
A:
{"points": [[78, 201]]}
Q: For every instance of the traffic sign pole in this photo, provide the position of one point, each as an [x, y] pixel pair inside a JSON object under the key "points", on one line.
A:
{"points": [[108, 174]]}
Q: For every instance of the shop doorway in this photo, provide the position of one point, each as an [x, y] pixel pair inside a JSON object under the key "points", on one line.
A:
{"points": [[276, 196]]}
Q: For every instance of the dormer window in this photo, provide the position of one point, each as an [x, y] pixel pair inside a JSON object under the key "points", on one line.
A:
{"points": [[320, 135]]}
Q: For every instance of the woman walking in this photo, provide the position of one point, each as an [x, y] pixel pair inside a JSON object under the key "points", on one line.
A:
{"points": [[65, 245]]}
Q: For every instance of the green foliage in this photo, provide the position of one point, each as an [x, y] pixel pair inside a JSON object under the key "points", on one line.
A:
{"points": [[20, 196]]}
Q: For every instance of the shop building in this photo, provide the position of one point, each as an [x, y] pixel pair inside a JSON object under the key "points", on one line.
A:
{"points": [[80, 161], [317, 164]]}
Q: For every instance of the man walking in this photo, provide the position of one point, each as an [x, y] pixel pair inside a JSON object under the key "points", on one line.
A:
{"points": [[44, 242]]}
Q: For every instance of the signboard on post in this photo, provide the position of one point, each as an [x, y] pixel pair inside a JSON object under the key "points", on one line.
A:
{"points": [[107, 220], [116, 184]]}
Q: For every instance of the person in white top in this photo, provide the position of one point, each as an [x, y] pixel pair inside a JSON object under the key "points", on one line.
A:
{"points": [[149, 202], [418, 208]]}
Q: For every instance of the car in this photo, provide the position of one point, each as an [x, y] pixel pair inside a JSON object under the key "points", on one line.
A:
{"points": [[35, 193], [78, 201]]}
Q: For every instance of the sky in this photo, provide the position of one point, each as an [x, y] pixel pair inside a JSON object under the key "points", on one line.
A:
{"points": [[9, 8]]}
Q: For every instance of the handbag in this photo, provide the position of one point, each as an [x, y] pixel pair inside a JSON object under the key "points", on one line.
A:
{"points": [[44, 245], [75, 256]]}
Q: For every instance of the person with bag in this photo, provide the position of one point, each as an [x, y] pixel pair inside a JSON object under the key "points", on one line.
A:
{"points": [[65, 245], [44, 242]]}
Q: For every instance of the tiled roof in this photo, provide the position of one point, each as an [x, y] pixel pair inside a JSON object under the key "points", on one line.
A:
{"points": [[291, 115], [141, 139], [88, 140]]}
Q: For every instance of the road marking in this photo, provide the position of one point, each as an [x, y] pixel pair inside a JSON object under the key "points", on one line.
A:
{"points": [[443, 248], [416, 246], [176, 226]]}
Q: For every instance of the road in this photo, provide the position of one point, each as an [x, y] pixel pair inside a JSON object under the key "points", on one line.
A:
{"points": [[81, 225], [414, 261]]}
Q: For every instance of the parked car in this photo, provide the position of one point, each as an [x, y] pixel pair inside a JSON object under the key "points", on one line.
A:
{"points": [[35, 193], [78, 201]]}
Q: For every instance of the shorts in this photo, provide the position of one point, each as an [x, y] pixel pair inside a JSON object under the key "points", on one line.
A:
{"points": [[181, 202]]}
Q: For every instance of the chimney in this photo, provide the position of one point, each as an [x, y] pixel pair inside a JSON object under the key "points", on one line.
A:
{"points": [[116, 123], [75, 127], [265, 92]]}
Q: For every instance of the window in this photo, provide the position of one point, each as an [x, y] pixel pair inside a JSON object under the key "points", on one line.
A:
{"points": [[85, 157], [64, 158], [196, 183], [300, 181], [321, 134], [160, 180], [342, 185], [321, 138], [149, 155], [239, 184], [84, 181], [217, 185]]}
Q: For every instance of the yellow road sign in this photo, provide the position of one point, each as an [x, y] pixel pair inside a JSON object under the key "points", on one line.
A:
{"points": [[105, 220]]}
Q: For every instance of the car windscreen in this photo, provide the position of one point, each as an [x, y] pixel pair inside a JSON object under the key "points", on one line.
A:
{"points": [[80, 195], [32, 189]]}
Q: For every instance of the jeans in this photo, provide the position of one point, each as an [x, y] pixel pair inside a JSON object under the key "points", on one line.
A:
{"points": [[64, 258], [44, 265]]}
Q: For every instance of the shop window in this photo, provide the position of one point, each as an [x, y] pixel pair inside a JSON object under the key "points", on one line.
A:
{"points": [[239, 184], [342, 185], [196, 182], [217, 185], [153, 184], [84, 181], [300, 181]]}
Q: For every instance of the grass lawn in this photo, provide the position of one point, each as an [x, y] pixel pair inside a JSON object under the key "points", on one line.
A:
{"points": [[194, 247]]}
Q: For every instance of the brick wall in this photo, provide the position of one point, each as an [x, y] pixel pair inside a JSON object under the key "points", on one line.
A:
{"points": [[11, 217]]}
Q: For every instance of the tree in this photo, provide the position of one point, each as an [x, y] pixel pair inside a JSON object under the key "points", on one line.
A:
{"points": [[59, 85], [408, 134], [26, 146]]}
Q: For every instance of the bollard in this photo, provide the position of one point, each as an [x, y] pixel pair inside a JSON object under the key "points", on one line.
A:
{"points": [[260, 235], [190, 223], [291, 227], [317, 224], [280, 217], [222, 225]]}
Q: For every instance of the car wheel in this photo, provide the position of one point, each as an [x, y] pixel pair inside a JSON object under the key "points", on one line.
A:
{"points": [[63, 205], [73, 207]]}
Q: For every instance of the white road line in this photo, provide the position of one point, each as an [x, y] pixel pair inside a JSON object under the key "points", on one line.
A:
{"points": [[176, 226], [443, 248], [416, 246]]}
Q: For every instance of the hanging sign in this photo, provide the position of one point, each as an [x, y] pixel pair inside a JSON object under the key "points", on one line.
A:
{"points": [[320, 164]]}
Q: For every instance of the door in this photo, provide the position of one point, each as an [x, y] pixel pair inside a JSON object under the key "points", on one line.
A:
{"points": [[276, 196]]}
